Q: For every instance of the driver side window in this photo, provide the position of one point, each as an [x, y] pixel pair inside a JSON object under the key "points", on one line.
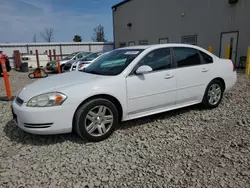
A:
{"points": [[159, 59]]}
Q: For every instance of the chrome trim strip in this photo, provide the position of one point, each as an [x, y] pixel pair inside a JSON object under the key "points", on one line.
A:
{"points": [[151, 108]]}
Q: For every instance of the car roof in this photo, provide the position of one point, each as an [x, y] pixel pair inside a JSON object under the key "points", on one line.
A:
{"points": [[168, 45], [99, 52], [136, 47], [160, 45], [79, 52]]}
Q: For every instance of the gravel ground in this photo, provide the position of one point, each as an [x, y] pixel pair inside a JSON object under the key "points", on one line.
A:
{"points": [[189, 147]]}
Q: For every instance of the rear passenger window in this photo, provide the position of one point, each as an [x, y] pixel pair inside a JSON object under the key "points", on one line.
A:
{"points": [[159, 59], [186, 57], [206, 58]]}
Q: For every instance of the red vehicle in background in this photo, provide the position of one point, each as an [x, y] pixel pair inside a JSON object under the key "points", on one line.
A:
{"points": [[7, 62]]}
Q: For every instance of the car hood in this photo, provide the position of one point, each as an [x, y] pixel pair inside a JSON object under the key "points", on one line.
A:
{"points": [[72, 61], [55, 83], [85, 62], [52, 62], [64, 61]]}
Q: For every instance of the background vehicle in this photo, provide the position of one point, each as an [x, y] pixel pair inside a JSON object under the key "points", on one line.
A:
{"points": [[52, 65], [124, 84], [82, 63]]}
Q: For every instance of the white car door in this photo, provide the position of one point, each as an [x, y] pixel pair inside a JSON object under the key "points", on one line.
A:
{"points": [[192, 75], [154, 90]]}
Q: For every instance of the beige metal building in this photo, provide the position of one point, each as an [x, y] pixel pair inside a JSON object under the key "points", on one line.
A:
{"points": [[201, 22]]}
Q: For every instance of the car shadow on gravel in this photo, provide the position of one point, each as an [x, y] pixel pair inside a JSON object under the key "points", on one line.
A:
{"points": [[15, 134], [159, 117]]}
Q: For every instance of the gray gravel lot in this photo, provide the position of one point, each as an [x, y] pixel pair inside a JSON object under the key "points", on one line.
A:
{"points": [[189, 147]]}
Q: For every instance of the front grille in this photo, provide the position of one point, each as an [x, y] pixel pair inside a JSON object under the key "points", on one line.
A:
{"points": [[37, 126], [19, 101]]}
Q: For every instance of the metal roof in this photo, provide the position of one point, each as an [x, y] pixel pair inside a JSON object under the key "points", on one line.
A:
{"points": [[54, 44], [121, 3]]}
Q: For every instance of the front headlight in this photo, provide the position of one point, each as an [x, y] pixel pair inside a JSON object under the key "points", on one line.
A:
{"points": [[81, 65], [47, 100]]}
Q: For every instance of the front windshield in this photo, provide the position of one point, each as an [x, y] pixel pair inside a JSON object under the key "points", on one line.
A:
{"points": [[90, 57], [69, 57], [113, 63]]}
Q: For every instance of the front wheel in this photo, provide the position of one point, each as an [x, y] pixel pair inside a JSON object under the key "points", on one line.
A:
{"points": [[213, 94], [62, 68], [96, 120]]}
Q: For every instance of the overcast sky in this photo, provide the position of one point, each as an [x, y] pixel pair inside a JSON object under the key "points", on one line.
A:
{"points": [[21, 19]]}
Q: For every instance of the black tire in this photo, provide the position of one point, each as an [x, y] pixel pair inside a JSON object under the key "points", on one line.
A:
{"points": [[205, 101], [31, 75], [62, 68], [80, 116]]}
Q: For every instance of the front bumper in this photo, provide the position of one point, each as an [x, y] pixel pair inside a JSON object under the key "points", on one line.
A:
{"points": [[67, 67], [52, 67], [45, 120]]}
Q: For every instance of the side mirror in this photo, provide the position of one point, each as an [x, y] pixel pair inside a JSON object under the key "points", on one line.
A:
{"points": [[144, 69]]}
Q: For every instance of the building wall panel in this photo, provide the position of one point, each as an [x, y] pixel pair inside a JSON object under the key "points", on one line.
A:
{"points": [[173, 19]]}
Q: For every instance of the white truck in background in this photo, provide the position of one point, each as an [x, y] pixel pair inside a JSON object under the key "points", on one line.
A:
{"points": [[32, 62]]}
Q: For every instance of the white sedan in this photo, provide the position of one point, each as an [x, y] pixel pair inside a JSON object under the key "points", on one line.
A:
{"points": [[125, 84]]}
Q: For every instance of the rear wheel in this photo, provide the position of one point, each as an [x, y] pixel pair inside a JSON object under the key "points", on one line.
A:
{"points": [[213, 94], [96, 120]]}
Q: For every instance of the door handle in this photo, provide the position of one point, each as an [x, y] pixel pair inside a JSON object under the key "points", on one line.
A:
{"points": [[204, 70], [168, 76]]}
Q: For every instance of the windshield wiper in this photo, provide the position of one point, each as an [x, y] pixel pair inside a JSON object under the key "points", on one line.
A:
{"points": [[89, 71]]}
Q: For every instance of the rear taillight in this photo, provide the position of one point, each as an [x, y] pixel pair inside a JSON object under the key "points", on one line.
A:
{"points": [[234, 66]]}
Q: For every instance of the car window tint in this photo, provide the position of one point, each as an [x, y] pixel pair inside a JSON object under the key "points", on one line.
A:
{"points": [[207, 58], [186, 57], [159, 59], [79, 56], [114, 62], [90, 57]]}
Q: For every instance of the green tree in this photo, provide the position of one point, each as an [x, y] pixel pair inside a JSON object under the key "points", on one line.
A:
{"points": [[99, 34], [77, 38]]}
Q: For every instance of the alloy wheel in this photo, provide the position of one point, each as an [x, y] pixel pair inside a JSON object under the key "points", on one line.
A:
{"points": [[214, 94], [99, 120]]}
